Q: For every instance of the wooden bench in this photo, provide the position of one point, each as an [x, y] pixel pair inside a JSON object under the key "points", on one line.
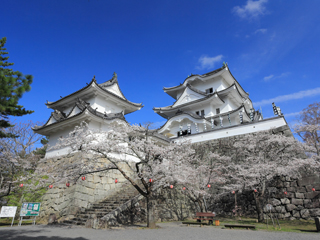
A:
{"points": [[240, 226], [205, 216]]}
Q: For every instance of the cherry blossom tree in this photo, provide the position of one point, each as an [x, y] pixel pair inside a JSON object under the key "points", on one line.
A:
{"points": [[145, 162], [209, 172], [258, 158], [17, 157], [308, 128]]}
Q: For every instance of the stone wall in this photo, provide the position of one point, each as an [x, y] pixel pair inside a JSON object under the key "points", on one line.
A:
{"points": [[65, 201], [300, 202]]}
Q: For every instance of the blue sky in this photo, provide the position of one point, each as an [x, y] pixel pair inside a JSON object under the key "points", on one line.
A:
{"points": [[271, 47]]}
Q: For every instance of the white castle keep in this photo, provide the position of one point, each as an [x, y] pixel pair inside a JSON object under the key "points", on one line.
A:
{"points": [[207, 107]]}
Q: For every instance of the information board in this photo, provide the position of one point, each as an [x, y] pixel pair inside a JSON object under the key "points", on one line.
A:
{"points": [[30, 209], [8, 211]]}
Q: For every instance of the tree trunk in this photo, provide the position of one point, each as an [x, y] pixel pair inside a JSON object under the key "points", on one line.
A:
{"points": [[151, 220], [259, 206], [200, 205]]}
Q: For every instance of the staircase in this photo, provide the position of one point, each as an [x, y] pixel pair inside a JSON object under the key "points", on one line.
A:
{"points": [[103, 208]]}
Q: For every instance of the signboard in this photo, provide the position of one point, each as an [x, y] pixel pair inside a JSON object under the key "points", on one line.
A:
{"points": [[30, 209], [8, 211]]}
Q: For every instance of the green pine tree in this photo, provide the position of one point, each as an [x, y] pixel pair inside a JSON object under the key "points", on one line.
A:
{"points": [[12, 86]]}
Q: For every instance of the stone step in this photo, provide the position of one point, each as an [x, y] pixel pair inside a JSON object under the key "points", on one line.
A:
{"points": [[103, 208], [93, 213]]}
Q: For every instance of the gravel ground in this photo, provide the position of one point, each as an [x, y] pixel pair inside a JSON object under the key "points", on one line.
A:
{"points": [[167, 231]]}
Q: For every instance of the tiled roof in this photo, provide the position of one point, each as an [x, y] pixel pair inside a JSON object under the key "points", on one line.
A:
{"points": [[108, 83], [180, 112], [82, 105], [203, 75], [196, 90], [207, 96], [188, 103]]}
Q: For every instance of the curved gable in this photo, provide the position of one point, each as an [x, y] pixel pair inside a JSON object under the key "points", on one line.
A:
{"points": [[187, 96]]}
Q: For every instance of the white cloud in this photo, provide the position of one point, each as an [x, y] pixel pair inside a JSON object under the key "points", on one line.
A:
{"points": [[292, 114], [251, 10], [284, 98], [261, 30], [273, 77], [209, 62], [268, 77]]}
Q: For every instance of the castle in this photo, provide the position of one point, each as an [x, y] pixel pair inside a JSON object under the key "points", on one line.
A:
{"points": [[208, 106]]}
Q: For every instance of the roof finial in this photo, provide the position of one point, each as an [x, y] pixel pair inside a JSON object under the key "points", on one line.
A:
{"points": [[114, 76], [224, 64], [94, 78]]}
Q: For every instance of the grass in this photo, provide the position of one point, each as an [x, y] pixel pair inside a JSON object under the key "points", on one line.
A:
{"points": [[286, 225], [6, 222]]}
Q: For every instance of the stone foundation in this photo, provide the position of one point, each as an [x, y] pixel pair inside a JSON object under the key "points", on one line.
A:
{"points": [[65, 202], [300, 202]]}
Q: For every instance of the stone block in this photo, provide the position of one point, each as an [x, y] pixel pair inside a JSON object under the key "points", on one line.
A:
{"points": [[290, 207], [296, 201], [272, 189], [276, 202], [96, 180], [299, 207], [287, 215], [313, 204], [279, 184], [315, 185], [299, 195], [312, 195], [291, 189], [293, 184], [301, 189], [296, 214], [285, 201], [280, 209], [305, 213], [287, 184], [306, 201], [308, 181], [314, 212]]}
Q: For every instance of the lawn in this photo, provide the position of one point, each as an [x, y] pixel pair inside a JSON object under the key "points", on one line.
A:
{"points": [[285, 225], [6, 222]]}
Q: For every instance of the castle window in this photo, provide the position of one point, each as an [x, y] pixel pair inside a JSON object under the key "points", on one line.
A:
{"points": [[202, 113], [209, 90], [217, 110], [185, 132], [198, 113]]}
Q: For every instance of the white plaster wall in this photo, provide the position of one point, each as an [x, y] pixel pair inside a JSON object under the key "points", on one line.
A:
{"points": [[53, 140], [175, 127], [114, 89], [215, 83], [103, 105], [188, 96], [75, 111], [239, 130], [67, 110], [52, 120]]}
